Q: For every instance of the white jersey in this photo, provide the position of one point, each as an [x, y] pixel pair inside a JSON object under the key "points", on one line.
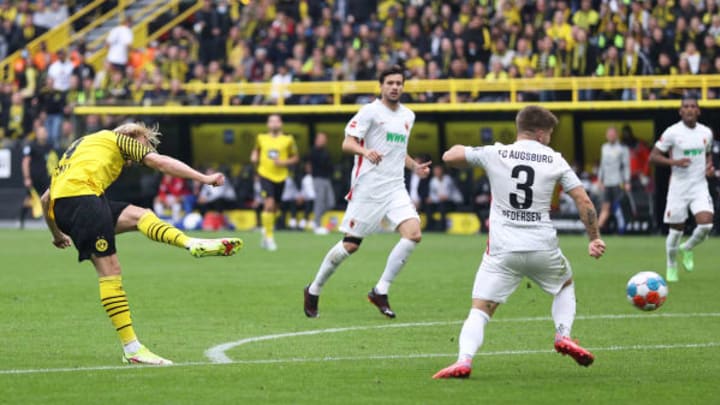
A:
{"points": [[692, 143], [388, 132], [522, 178]]}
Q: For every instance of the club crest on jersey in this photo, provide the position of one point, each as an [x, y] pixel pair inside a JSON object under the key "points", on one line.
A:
{"points": [[407, 126]]}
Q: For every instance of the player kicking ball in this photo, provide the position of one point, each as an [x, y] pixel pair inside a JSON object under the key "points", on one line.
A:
{"points": [[523, 241], [76, 210]]}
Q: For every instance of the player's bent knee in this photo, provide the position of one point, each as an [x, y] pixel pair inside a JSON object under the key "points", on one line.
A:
{"points": [[351, 244], [567, 283]]}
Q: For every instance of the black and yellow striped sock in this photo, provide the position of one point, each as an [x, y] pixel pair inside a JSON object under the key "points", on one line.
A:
{"points": [[113, 299], [156, 229], [268, 223]]}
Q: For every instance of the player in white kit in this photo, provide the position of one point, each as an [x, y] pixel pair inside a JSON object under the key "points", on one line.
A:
{"points": [[688, 143], [378, 136], [523, 241]]}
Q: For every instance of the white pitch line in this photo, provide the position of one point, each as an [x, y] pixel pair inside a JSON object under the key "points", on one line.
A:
{"points": [[216, 354], [355, 358]]}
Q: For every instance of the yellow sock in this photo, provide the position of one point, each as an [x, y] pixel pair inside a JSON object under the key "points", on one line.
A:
{"points": [[113, 299], [268, 222], [156, 229]]}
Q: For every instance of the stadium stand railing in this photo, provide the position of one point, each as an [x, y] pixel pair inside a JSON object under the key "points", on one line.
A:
{"points": [[339, 91], [57, 38]]}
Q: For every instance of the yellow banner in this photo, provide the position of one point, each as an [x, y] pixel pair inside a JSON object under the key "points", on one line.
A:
{"points": [[231, 143]]}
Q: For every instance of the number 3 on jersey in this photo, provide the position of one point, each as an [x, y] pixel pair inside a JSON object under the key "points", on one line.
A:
{"points": [[525, 201]]}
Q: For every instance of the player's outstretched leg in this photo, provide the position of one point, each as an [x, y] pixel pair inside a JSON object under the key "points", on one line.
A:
{"points": [[156, 229], [215, 247]]}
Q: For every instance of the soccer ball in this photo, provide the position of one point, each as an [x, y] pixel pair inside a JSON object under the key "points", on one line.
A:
{"points": [[647, 290]]}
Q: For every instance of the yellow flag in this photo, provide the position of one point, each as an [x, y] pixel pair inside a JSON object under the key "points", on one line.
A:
{"points": [[35, 203]]}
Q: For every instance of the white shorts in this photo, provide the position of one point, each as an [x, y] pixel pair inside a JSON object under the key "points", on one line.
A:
{"points": [[364, 217], [676, 210], [499, 275]]}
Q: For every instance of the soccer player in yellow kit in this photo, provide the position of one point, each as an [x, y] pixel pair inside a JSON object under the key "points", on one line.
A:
{"points": [[76, 210], [274, 152]]}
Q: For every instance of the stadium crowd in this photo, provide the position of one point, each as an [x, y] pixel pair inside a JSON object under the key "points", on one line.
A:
{"points": [[282, 41]]}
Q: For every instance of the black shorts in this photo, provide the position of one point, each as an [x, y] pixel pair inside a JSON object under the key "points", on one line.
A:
{"points": [[612, 194], [90, 222], [271, 189]]}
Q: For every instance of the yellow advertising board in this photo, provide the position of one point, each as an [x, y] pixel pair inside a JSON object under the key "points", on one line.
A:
{"points": [[231, 143]]}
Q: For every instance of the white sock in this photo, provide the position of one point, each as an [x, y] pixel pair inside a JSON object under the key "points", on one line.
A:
{"points": [[395, 262], [330, 263], [563, 310], [472, 333], [132, 347], [671, 246], [699, 234]]}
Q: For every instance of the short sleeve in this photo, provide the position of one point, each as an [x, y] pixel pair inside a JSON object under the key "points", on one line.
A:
{"points": [[568, 179], [476, 155], [665, 142], [132, 149], [359, 123]]}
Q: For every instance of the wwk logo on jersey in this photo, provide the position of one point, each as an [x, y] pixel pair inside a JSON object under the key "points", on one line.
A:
{"points": [[693, 152], [396, 138]]}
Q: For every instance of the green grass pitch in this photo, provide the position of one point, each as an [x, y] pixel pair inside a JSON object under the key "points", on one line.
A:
{"points": [[57, 345]]}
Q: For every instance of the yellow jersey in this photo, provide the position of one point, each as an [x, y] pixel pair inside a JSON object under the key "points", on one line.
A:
{"points": [[92, 163], [274, 147]]}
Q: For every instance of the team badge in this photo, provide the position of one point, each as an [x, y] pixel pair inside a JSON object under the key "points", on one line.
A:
{"points": [[407, 126], [101, 245]]}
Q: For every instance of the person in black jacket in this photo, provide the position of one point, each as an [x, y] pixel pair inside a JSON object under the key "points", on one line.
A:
{"points": [[322, 169]]}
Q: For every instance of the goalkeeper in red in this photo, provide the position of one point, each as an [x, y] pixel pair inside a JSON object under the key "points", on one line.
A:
{"points": [[76, 210]]}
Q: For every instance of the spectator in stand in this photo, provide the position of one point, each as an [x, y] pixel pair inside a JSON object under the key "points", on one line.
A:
{"points": [[213, 202], [60, 71], [322, 170], [119, 41], [639, 158], [53, 102], [171, 196], [439, 199]]}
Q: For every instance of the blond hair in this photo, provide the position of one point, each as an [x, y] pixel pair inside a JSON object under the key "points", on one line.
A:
{"points": [[137, 130]]}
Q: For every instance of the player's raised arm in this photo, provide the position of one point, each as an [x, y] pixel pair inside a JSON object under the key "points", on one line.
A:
{"points": [[588, 216], [176, 168], [455, 156]]}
